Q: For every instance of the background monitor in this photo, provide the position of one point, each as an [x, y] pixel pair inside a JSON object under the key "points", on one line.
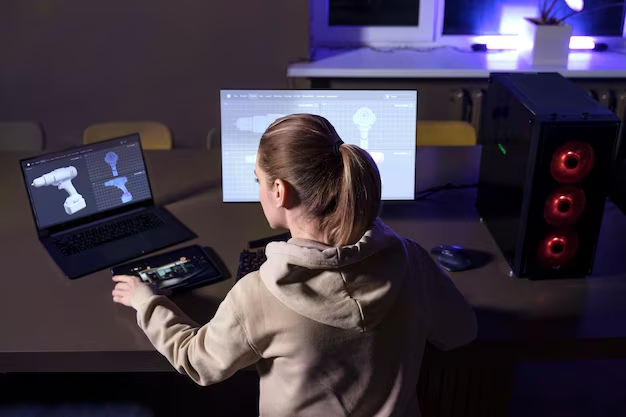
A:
{"points": [[381, 122]]}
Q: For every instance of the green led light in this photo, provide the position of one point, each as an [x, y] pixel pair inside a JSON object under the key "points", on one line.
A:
{"points": [[502, 148]]}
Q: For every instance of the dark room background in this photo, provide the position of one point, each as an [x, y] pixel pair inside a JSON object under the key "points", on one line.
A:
{"points": [[69, 63]]}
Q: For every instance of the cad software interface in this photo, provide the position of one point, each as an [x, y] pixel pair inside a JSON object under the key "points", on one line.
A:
{"points": [[381, 122], [69, 185]]}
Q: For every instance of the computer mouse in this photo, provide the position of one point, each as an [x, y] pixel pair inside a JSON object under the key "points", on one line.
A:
{"points": [[451, 258]]}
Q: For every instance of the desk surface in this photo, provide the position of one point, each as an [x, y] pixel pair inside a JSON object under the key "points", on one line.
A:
{"points": [[447, 62], [50, 323]]}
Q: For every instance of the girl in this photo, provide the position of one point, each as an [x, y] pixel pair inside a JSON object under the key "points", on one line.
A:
{"points": [[337, 318]]}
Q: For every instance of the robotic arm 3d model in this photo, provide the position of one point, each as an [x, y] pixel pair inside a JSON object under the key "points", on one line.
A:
{"points": [[120, 182], [62, 178]]}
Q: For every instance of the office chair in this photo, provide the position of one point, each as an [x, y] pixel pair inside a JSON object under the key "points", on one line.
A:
{"points": [[21, 136], [445, 133], [153, 135]]}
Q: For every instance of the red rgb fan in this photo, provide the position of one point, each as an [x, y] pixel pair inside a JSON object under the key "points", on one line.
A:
{"points": [[564, 206], [572, 162], [558, 249]]}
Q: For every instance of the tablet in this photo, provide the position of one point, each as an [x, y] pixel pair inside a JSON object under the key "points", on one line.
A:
{"points": [[184, 268]]}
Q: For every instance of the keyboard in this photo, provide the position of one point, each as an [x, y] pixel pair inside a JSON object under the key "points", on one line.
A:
{"points": [[251, 259], [108, 232]]}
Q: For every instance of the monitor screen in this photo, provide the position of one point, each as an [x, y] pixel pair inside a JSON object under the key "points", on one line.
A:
{"points": [[381, 122], [69, 185]]}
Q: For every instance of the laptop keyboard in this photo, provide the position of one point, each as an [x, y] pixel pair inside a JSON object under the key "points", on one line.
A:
{"points": [[109, 232]]}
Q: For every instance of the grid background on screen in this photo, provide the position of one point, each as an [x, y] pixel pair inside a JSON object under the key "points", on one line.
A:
{"points": [[394, 127], [129, 164], [238, 176], [110, 197], [243, 123], [245, 120]]}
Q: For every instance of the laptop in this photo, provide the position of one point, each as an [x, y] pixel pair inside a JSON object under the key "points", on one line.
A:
{"points": [[93, 206]]}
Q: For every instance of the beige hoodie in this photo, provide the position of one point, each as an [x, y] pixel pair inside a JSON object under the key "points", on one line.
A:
{"points": [[333, 331]]}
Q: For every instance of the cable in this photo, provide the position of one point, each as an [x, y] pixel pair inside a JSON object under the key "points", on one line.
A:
{"points": [[314, 51], [449, 186]]}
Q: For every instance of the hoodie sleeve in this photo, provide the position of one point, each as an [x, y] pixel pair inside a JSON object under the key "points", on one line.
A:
{"points": [[207, 354], [451, 320]]}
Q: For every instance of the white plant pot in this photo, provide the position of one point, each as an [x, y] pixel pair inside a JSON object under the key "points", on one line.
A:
{"points": [[544, 45]]}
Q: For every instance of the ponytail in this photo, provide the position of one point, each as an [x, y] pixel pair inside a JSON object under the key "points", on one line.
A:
{"points": [[358, 202]]}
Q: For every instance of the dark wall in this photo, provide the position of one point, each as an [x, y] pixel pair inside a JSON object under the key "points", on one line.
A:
{"points": [[70, 63]]}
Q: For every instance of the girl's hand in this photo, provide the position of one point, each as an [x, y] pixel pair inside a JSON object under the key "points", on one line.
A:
{"points": [[127, 286]]}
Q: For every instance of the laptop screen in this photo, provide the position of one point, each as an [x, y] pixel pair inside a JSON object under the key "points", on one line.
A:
{"points": [[90, 179], [381, 122]]}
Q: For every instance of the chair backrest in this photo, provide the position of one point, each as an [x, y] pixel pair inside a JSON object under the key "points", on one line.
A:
{"points": [[153, 135], [21, 136], [445, 133], [212, 139]]}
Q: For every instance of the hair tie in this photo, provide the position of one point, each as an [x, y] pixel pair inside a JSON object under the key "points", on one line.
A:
{"points": [[337, 146]]}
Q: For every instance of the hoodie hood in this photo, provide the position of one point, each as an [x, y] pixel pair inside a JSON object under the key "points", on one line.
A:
{"points": [[349, 287]]}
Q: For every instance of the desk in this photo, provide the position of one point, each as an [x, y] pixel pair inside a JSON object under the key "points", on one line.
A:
{"points": [[50, 323]]}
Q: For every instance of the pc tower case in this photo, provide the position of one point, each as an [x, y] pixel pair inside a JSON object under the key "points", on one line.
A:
{"points": [[547, 154]]}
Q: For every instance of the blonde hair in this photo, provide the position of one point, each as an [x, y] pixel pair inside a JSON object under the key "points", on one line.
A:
{"points": [[337, 185]]}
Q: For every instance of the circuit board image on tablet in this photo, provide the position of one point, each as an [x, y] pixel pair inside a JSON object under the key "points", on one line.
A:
{"points": [[184, 267]]}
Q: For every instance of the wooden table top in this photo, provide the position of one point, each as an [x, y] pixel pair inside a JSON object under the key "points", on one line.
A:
{"points": [[50, 323]]}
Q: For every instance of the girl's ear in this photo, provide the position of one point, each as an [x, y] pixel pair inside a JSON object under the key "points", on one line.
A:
{"points": [[283, 194]]}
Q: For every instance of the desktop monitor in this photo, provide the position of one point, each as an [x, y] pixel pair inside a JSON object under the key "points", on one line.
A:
{"points": [[381, 122]]}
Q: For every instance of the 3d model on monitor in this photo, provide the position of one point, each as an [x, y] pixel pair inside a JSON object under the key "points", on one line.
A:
{"points": [[120, 182], [111, 159], [62, 178], [364, 118]]}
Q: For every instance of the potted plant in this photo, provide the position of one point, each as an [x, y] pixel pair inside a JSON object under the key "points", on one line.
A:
{"points": [[544, 40]]}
